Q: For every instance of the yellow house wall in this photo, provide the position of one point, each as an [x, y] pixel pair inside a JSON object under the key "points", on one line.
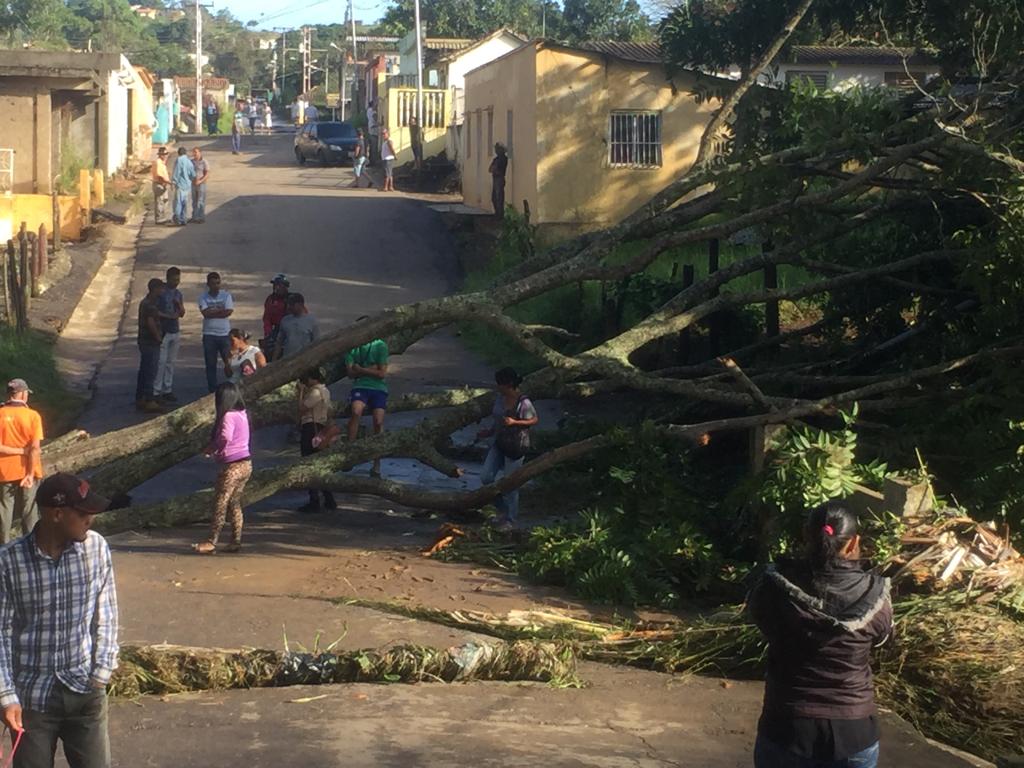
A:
{"points": [[38, 209], [506, 84], [576, 93]]}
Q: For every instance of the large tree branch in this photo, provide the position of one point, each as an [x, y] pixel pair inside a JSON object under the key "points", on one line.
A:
{"points": [[705, 153]]}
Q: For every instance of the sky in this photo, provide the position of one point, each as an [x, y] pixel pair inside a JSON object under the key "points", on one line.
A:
{"points": [[294, 13]]}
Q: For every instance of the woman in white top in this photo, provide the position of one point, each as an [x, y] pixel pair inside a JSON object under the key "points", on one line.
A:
{"points": [[387, 154], [245, 358]]}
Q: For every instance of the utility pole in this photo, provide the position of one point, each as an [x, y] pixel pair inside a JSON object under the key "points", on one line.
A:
{"points": [[306, 60], [355, 56], [199, 68], [419, 68]]}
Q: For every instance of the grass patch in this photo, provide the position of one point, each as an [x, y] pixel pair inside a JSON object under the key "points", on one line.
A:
{"points": [[29, 356]]}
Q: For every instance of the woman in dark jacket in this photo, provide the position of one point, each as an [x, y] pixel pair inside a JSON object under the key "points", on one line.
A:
{"points": [[821, 616]]}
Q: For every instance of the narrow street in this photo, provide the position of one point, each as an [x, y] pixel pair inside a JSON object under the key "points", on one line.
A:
{"points": [[353, 252]]}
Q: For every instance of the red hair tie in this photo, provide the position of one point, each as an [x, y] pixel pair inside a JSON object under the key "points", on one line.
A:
{"points": [[828, 529]]}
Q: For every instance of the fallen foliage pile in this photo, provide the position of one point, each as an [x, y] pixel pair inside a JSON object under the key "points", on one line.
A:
{"points": [[161, 669], [955, 552]]}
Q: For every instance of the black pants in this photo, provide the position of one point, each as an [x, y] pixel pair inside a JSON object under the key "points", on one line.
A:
{"points": [[306, 435], [498, 195], [149, 361]]}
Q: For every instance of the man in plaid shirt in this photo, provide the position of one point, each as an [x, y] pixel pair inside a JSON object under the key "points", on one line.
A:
{"points": [[58, 630]]}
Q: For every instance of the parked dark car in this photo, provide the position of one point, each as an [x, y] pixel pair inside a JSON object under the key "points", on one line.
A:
{"points": [[328, 143]]}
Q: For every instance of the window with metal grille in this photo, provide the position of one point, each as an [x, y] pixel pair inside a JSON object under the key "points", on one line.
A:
{"points": [[818, 78], [634, 140]]}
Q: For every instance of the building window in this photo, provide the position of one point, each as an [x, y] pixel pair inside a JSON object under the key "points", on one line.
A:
{"points": [[634, 140], [469, 135], [819, 78]]}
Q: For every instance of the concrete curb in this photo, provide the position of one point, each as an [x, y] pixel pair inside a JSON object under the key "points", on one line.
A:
{"points": [[94, 327]]}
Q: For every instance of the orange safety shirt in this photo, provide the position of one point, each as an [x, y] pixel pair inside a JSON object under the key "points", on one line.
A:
{"points": [[19, 427]]}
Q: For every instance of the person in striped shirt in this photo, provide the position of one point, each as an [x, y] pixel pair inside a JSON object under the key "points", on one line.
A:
{"points": [[58, 630]]}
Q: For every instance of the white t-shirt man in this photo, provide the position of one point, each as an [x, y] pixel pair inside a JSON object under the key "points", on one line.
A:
{"points": [[216, 326]]}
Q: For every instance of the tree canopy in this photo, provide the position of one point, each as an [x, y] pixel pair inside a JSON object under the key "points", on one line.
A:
{"points": [[576, 20]]}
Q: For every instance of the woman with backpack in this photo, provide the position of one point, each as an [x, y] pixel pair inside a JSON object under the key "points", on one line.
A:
{"points": [[822, 615], [513, 415], [229, 447]]}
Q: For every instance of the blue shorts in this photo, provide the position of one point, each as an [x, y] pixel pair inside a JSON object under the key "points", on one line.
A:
{"points": [[375, 399]]}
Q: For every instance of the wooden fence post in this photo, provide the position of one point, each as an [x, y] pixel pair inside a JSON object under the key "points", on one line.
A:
{"points": [[771, 283], [56, 221], [683, 349], [25, 278], [41, 251], [714, 326], [6, 259]]}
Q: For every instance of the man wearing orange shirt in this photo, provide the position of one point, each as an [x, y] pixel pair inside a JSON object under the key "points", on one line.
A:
{"points": [[21, 431]]}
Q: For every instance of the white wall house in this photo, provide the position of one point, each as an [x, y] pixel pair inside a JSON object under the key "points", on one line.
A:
{"points": [[455, 65], [483, 51], [840, 69]]}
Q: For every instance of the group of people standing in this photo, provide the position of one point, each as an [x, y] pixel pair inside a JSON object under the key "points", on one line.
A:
{"points": [[187, 181]]}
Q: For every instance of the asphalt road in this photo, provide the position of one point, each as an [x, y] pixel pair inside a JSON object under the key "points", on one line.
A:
{"points": [[350, 253]]}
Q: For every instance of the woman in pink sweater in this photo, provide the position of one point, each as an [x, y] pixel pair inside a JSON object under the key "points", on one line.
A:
{"points": [[229, 447]]}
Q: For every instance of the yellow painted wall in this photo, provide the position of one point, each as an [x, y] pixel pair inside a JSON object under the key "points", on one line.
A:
{"points": [[576, 94], [506, 84], [37, 209]]}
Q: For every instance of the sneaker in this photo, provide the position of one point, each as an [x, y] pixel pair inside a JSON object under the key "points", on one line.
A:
{"points": [[168, 397], [149, 406]]}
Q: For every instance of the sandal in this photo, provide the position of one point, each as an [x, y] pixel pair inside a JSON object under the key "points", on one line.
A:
{"points": [[233, 547], [205, 548]]}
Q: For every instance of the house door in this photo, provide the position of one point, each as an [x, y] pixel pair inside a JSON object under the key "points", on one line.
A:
{"points": [[130, 142]]}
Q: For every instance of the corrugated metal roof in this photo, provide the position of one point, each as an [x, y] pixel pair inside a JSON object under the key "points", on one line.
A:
{"points": [[829, 54], [643, 53]]}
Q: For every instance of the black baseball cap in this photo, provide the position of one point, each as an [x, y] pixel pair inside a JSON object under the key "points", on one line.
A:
{"points": [[64, 490], [280, 278]]}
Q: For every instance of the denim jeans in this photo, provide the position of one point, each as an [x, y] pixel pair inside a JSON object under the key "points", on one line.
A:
{"points": [[216, 350], [164, 384], [149, 361], [236, 141], [79, 720], [180, 205], [767, 754], [199, 202], [496, 461]]}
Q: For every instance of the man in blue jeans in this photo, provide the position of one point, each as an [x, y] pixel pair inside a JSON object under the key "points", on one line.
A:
{"points": [[184, 174], [199, 186], [216, 307]]}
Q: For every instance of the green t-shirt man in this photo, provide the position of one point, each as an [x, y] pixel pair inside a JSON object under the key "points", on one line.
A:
{"points": [[370, 354]]}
